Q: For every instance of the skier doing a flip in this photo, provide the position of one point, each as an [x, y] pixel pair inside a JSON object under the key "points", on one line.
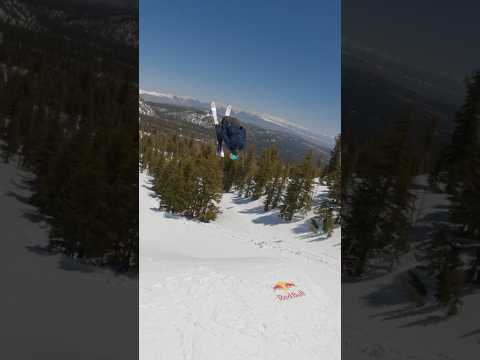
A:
{"points": [[230, 132]]}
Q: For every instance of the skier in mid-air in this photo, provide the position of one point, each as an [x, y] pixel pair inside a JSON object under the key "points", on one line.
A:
{"points": [[230, 132]]}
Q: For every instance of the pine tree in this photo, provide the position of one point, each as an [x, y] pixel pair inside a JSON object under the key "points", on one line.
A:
{"points": [[265, 171], [376, 210], [290, 200], [333, 177], [328, 222], [443, 261], [280, 189], [272, 187], [299, 192], [329, 209], [246, 182], [359, 225], [77, 134], [211, 186], [465, 135], [462, 167], [307, 173]]}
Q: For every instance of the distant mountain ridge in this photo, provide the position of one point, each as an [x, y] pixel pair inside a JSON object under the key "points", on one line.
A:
{"points": [[379, 90], [113, 20], [264, 120]]}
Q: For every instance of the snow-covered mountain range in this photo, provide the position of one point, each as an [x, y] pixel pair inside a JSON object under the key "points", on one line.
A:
{"points": [[144, 108], [263, 120]]}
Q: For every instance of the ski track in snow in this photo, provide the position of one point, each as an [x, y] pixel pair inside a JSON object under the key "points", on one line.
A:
{"points": [[206, 289]]}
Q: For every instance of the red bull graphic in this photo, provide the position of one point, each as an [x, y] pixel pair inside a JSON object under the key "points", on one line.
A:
{"points": [[283, 285], [290, 294]]}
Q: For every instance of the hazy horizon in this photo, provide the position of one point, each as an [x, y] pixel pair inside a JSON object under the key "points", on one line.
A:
{"points": [[278, 58], [221, 103]]}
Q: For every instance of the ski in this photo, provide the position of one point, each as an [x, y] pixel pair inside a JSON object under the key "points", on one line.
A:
{"points": [[229, 110], [214, 113], [215, 121]]}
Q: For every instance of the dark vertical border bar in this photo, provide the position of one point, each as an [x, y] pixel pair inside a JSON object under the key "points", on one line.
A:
{"points": [[69, 179], [411, 170]]}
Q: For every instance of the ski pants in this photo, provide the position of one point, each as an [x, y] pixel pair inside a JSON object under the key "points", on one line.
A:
{"points": [[218, 131]]}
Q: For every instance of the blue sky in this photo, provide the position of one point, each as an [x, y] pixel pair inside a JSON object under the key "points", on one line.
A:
{"points": [[280, 57]]}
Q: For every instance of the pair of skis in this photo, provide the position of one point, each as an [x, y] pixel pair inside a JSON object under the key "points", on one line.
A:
{"points": [[215, 121], [214, 112]]}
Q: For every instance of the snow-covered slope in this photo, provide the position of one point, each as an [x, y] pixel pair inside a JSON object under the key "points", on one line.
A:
{"points": [[53, 307], [398, 329], [206, 290]]}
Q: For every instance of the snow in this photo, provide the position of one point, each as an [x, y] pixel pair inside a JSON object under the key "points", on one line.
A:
{"points": [[52, 307], [165, 95], [379, 321], [206, 290]]}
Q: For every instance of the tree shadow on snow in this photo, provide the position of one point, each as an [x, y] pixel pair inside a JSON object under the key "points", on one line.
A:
{"points": [[428, 315], [429, 320], [255, 210], [348, 279], [75, 265], [304, 232], [64, 263], [470, 334], [316, 237], [31, 215], [168, 215], [37, 217], [148, 187], [40, 250], [43, 221], [406, 311], [388, 294], [20, 198], [24, 184], [396, 293], [68, 264], [239, 200], [270, 219]]}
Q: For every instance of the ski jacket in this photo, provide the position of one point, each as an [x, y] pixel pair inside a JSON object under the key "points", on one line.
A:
{"points": [[233, 133]]}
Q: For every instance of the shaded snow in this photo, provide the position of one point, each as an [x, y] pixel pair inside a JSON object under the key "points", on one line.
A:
{"points": [[392, 326], [52, 307]]}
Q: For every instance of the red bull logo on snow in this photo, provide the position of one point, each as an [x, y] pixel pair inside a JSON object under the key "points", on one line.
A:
{"points": [[289, 292]]}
